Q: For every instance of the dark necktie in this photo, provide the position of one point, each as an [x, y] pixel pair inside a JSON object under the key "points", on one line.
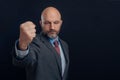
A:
{"points": [[57, 46]]}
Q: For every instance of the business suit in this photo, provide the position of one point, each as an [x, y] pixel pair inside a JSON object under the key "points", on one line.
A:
{"points": [[43, 62]]}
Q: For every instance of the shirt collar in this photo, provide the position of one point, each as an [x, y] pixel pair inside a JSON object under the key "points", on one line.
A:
{"points": [[52, 40]]}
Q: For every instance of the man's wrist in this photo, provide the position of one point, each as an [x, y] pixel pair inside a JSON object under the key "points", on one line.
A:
{"points": [[22, 46], [20, 53]]}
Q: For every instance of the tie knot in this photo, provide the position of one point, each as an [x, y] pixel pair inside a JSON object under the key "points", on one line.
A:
{"points": [[56, 43]]}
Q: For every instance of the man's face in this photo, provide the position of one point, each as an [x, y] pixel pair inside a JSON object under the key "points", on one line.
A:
{"points": [[51, 24]]}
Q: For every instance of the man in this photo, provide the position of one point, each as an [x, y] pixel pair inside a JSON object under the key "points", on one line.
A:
{"points": [[45, 55]]}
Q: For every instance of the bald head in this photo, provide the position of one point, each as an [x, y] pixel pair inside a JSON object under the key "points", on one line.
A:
{"points": [[51, 22], [50, 12]]}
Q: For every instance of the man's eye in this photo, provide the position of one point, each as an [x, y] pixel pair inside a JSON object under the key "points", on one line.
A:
{"points": [[56, 22], [46, 23]]}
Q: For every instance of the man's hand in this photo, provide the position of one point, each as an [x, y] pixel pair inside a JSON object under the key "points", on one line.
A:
{"points": [[27, 33]]}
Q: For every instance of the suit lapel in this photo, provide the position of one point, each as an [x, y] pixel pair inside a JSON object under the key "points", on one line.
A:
{"points": [[64, 51], [52, 49], [64, 48]]}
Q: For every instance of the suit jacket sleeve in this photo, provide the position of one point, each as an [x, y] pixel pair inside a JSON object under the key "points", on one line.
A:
{"points": [[29, 60]]}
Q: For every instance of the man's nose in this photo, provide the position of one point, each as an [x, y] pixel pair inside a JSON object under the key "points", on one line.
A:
{"points": [[52, 26]]}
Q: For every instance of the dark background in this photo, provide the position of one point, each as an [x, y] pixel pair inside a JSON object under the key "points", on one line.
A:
{"points": [[90, 27]]}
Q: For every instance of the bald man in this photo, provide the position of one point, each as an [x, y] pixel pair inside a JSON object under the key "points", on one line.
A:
{"points": [[45, 55]]}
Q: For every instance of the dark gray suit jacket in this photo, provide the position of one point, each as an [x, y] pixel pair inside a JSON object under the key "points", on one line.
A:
{"points": [[43, 62]]}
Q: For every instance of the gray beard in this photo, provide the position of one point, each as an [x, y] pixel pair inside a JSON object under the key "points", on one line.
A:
{"points": [[53, 36]]}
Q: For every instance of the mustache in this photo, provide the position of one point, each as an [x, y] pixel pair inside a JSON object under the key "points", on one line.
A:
{"points": [[52, 30]]}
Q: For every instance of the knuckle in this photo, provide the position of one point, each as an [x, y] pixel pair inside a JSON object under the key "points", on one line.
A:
{"points": [[32, 25], [28, 22], [35, 30], [21, 26]]}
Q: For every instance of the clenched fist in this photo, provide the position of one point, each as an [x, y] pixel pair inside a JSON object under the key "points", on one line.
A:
{"points": [[27, 33]]}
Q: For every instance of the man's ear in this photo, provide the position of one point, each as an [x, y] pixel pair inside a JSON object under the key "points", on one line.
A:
{"points": [[61, 22], [40, 22]]}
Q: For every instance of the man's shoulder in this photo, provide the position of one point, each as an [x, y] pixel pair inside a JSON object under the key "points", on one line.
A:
{"points": [[36, 40], [39, 39], [63, 42]]}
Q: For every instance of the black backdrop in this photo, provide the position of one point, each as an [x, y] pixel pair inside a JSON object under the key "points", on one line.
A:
{"points": [[91, 28]]}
